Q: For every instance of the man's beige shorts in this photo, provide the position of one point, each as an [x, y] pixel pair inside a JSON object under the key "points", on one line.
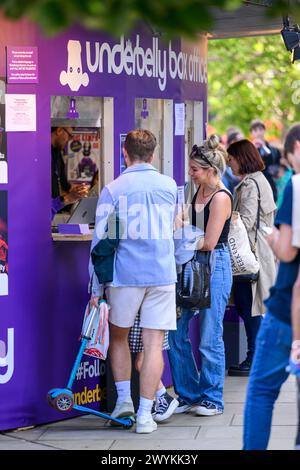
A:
{"points": [[157, 306]]}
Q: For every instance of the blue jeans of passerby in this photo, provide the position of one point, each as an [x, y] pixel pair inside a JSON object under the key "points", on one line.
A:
{"points": [[273, 344], [298, 399], [242, 292], [188, 384], [184, 370]]}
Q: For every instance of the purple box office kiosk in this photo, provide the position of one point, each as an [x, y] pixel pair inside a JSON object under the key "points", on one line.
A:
{"points": [[41, 315]]}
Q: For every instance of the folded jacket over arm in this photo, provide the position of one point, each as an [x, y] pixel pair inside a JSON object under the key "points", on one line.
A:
{"points": [[103, 253]]}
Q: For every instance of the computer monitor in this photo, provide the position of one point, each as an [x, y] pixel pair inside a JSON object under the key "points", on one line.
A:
{"points": [[85, 212]]}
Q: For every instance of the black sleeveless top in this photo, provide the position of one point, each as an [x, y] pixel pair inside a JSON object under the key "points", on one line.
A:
{"points": [[200, 220]]}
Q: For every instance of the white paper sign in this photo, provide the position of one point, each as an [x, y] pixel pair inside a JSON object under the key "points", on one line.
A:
{"points": [[20, 113], [180, 196], [179, 118], [180, 200], [3, 284], [3, 172]]}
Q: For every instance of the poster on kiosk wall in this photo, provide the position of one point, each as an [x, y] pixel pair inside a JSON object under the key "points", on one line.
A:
{"points": [[83, 155], [3, 244], [3, 155]]}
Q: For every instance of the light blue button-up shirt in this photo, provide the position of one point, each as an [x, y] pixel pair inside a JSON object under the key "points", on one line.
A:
{"points": [[145, 202]]}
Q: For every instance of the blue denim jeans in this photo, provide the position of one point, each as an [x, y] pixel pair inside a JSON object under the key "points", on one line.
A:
{"points": [[208, 385], [297, 444], [272, 350], [242, 292]]}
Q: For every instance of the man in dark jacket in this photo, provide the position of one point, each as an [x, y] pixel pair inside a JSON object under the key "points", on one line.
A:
{"points": [[63, 193], [269, 154]]}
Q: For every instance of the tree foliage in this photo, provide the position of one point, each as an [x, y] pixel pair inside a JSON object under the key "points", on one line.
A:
{"points": [[249, 78], [173, 17]]}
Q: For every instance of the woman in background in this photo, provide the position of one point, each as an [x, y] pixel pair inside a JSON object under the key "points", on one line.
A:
{"points": [[246, 162]]}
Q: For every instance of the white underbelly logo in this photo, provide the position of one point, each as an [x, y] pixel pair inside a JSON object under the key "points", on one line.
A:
{"points": [[7, 357], [73, 76]]}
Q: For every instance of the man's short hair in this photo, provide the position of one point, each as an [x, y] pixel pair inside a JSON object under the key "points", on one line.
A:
{"points": [[257, 123], [54, 128], [292, 136], [140, 145]]}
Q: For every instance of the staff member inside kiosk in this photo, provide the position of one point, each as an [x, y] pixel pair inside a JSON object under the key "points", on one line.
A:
{"points": [[63, 193]]}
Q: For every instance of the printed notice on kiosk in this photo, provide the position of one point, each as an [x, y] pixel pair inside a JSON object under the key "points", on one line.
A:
{"points": [[22, 65], [3, 244], [20, 113]]}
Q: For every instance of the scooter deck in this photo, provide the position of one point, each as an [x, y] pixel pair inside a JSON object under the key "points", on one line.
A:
{"points": [[125, 421]]}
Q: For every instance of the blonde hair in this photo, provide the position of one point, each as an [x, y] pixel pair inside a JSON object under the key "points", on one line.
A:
{"points": [[210, 155]]}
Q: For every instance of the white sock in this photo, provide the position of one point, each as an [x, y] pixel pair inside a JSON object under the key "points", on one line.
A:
{"points": [[160, 392], [123, 390], [145, 407]]}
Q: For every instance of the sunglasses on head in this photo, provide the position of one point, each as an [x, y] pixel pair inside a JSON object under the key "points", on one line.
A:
{"points": [[197, 152]]}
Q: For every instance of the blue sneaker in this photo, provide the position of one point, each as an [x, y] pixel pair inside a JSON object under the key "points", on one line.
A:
{"points": [[206, 408], [183, 406]]}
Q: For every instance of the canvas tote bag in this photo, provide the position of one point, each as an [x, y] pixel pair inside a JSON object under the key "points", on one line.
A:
{"points": [[244, 264], [243, 259]]}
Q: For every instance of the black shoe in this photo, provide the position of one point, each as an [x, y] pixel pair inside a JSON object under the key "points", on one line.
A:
{"points": [[183, 406], [240, 370], [165, 407]]}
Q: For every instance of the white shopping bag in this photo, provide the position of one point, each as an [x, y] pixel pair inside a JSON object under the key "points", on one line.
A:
{"points": [[243, 260], [97, 346]]}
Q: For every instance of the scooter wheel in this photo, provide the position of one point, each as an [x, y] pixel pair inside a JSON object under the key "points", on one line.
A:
{"points": [[63, 402], [129, 422]]}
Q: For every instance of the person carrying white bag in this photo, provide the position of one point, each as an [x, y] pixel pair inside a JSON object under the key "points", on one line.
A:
{"points": [[253, 199]]}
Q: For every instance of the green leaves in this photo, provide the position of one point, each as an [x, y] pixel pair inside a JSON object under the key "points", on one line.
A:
{"points": [[173, 17], [249, 78]]}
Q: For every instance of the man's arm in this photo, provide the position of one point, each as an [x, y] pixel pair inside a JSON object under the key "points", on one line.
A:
{"points": [[56, 205], [60, 202], [296, 311], [281, 243], [294, 362], [281, 240]]}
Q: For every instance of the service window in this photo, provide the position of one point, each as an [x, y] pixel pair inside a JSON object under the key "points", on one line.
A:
{"points": [[157, 116], [78, 146], [193, 135], [149, 115]]}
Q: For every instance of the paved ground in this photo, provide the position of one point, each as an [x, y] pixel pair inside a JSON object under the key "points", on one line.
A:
{"points": [[184, 431]]}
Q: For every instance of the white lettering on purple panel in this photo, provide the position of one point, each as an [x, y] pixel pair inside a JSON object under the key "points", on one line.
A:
{"points": [[7, 357]]}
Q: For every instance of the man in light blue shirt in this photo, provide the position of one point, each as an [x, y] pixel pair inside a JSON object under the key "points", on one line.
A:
{"points": [[144, 273]]}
